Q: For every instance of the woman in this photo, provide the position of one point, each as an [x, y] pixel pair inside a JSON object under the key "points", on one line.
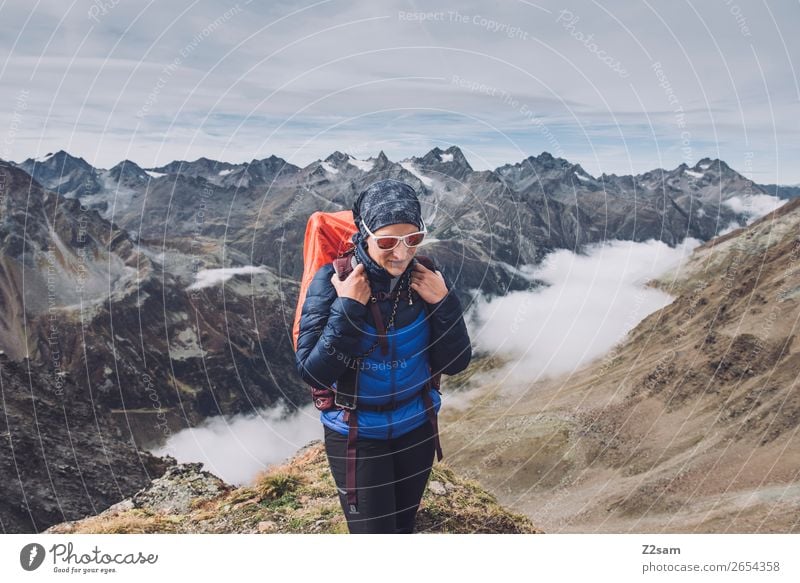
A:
{"points": [[381, 435]]}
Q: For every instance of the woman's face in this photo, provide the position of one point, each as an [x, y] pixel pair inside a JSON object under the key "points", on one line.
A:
{"points": [[396, 260]]}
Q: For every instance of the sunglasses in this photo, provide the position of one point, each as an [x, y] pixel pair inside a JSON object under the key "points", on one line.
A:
{"points": [[389, 242]]}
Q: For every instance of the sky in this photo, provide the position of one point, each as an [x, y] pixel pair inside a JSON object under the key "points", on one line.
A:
{"points": [[619, 87]]}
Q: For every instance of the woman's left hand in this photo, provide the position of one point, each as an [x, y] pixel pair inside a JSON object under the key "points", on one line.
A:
{"points": [[428, 284]]}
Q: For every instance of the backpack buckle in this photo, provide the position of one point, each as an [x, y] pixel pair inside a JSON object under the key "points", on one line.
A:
{"points": [[346, 404]]}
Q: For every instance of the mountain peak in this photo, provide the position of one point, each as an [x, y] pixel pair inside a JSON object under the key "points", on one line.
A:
{"points": [[63, 173], [453, 154], [457, 156], [544, 161], [715, 164], [128, 169], [450, 162], [337, 158], [547, 158], [201, 167], [273, 158], [126, 164], [56, 158]]}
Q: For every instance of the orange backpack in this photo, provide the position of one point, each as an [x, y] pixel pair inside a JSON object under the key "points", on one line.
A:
{"points": [[328, 236]]}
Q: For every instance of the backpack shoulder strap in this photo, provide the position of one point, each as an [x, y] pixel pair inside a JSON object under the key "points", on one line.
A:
{"points": [[436, 379], [426, 261], [343, 265]]}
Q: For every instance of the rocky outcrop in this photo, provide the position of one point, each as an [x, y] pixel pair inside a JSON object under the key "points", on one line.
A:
{"points": [[298, 496], [61, 458]]}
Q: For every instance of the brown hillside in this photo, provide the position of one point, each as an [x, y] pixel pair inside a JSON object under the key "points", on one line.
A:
{"points": [[689, 425]]}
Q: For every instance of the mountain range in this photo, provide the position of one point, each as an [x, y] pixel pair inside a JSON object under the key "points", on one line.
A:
{"points": [[164, 296], [487, 221]]}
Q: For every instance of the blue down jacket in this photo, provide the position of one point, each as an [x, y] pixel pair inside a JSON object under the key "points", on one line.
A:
{"points": [[334, 329]]}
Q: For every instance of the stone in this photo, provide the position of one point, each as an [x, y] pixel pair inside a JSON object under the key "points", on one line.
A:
{"points": [[437, 488]]}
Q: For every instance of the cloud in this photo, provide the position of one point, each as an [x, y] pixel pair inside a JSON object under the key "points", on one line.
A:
{"points": [[211, 277], [754, 205], [590, 304], [236, 449]]}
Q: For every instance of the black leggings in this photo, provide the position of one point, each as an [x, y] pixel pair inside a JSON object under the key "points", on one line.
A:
{"points": [[391, 475]]}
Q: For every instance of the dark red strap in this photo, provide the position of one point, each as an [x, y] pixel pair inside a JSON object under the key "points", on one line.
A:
{"points": [[431, 410], [342, 266], [376, 315], [426, 261], [351, 418]]}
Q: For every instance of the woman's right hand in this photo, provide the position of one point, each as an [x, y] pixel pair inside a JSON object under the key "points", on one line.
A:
{"points": [[355, 286]]}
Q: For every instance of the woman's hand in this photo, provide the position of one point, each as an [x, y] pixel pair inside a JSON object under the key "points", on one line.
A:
{"points": [[428, 284], [355, 286]]}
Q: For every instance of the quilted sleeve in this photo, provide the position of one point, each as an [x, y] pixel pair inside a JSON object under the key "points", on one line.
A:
{"points": [[450, 350], [330, 329]]}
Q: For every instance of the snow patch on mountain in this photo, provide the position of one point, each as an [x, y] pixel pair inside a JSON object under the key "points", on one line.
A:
{"points": [[211, 277], [363, 165], [119, 198], [329, 168], [413, 169]]}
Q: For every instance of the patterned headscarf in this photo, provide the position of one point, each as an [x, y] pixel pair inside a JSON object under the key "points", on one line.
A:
{"points": [[387, 202]]}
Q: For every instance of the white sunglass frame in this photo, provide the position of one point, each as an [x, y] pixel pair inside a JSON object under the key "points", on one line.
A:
{"points": [[424, 231]]}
